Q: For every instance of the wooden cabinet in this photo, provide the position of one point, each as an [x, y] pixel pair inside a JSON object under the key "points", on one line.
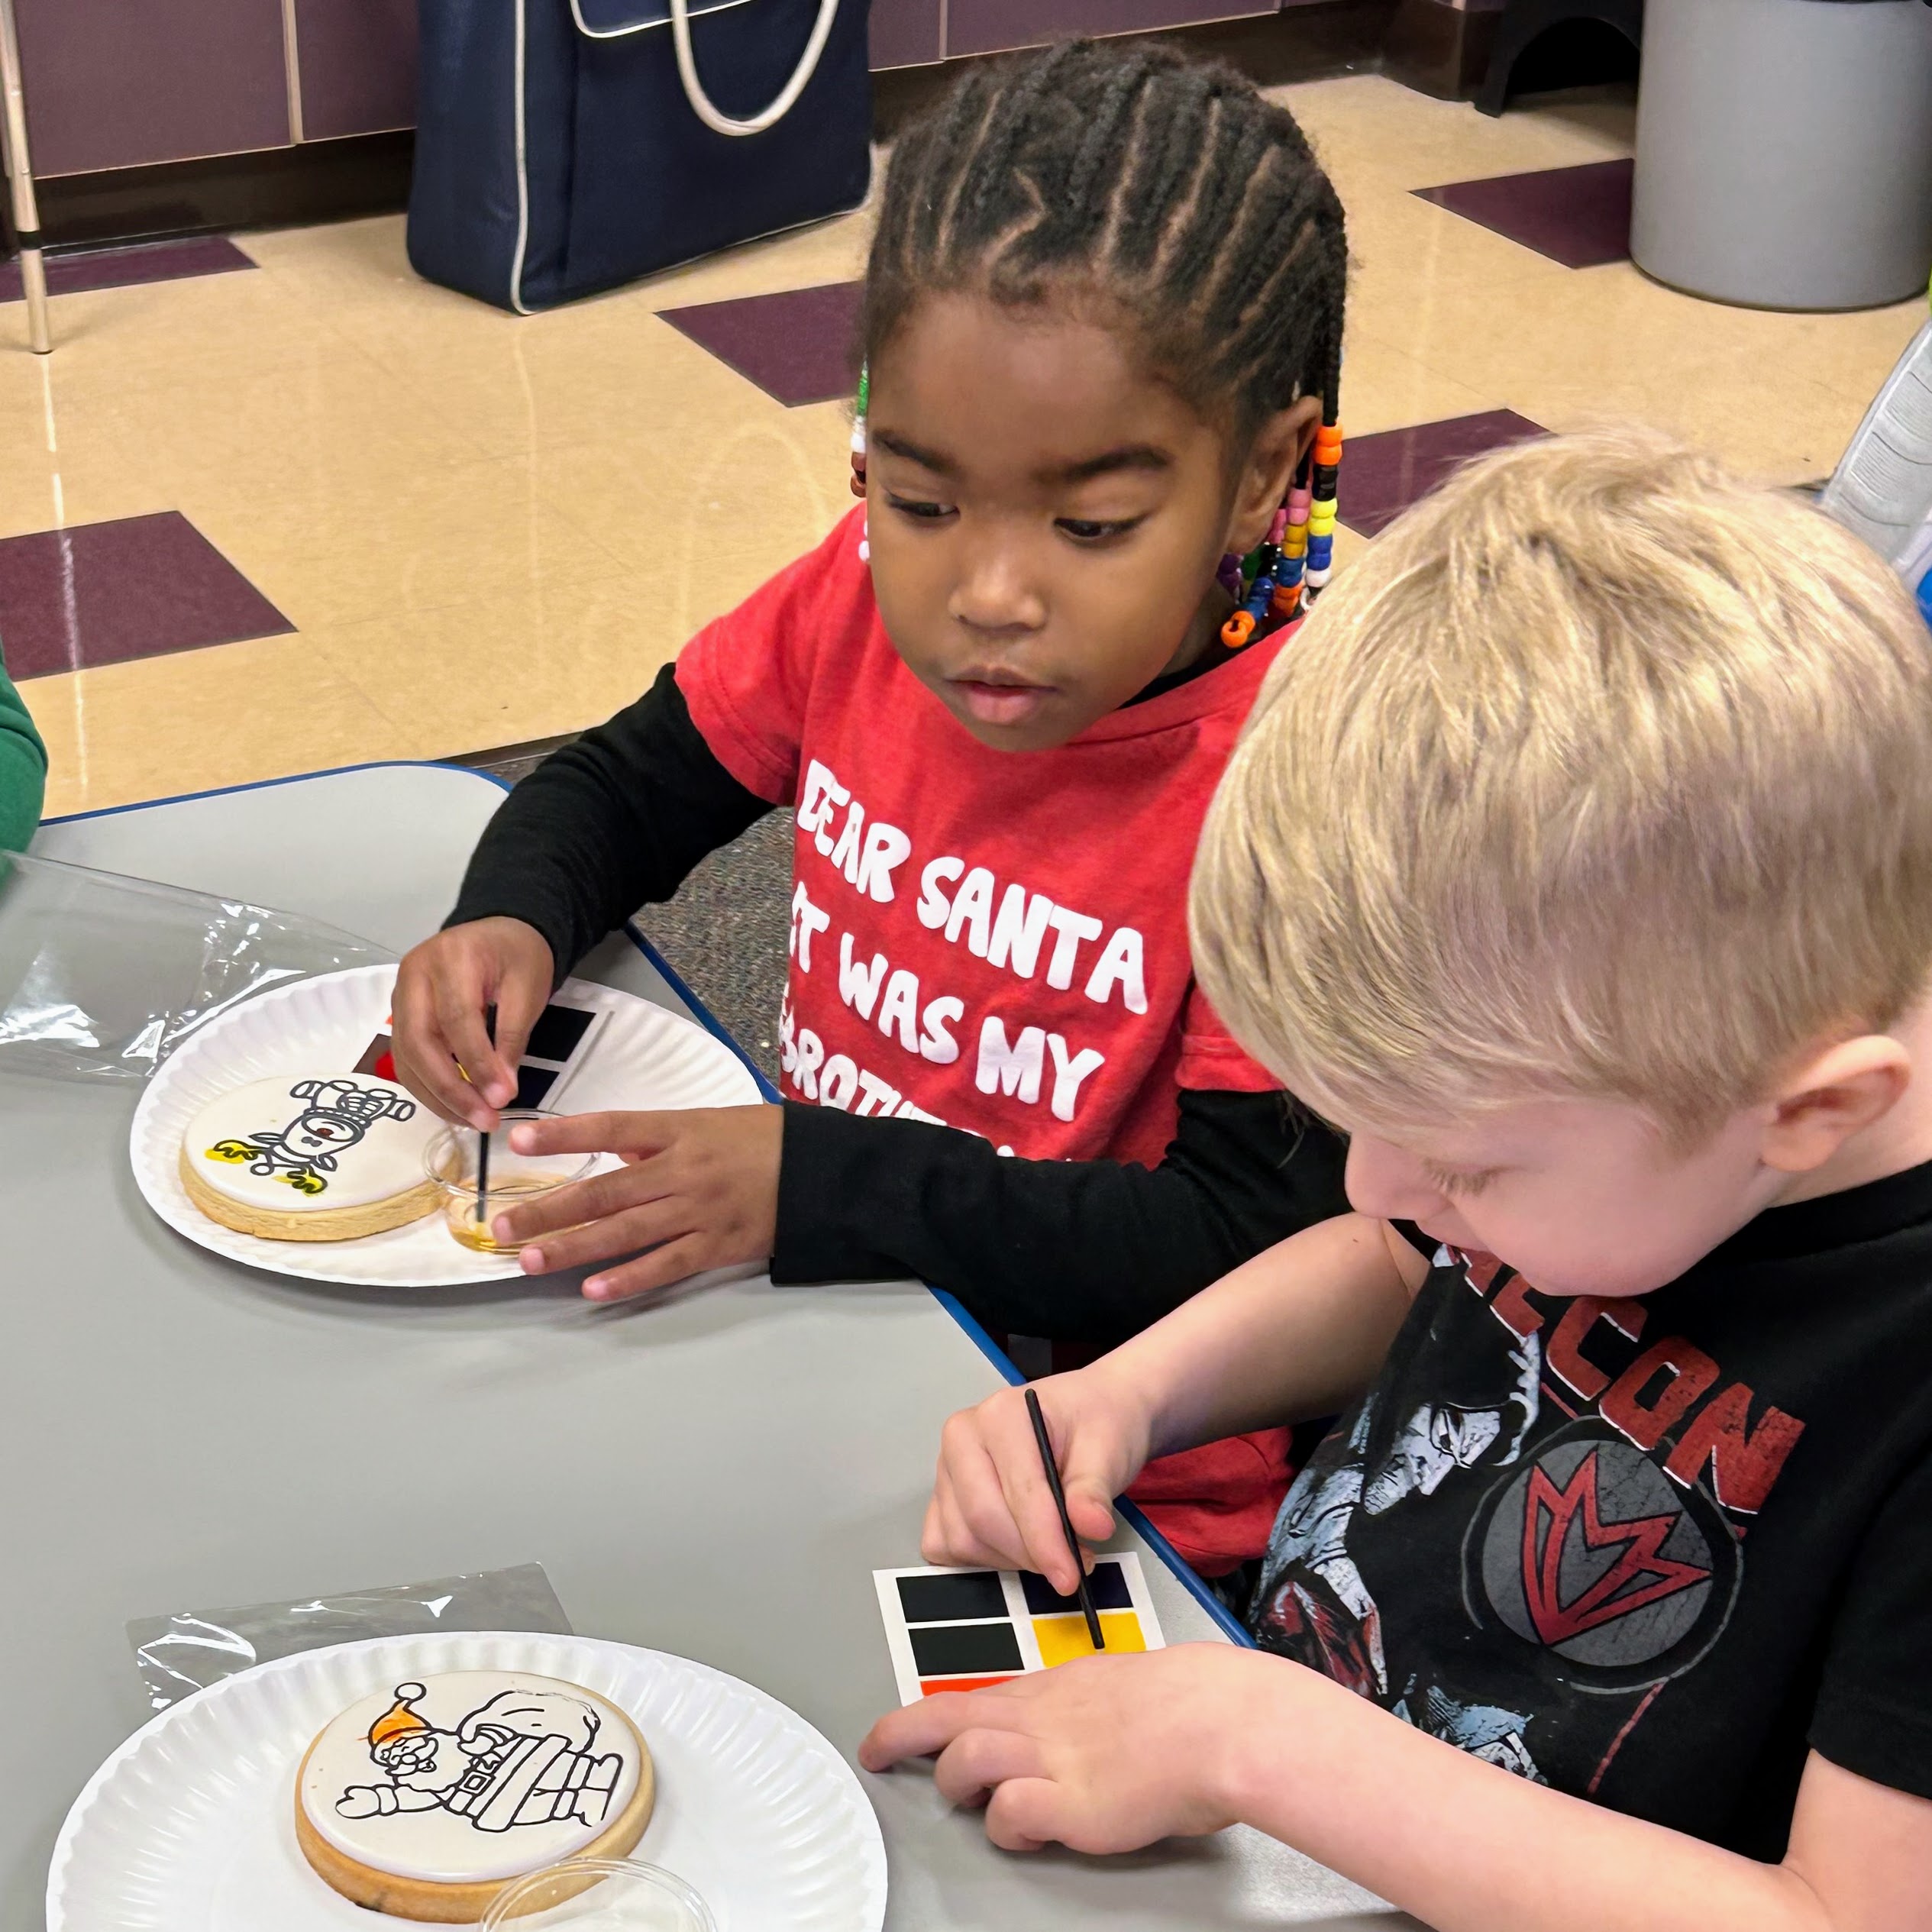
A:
{"points": [[116, 83], [122, 83], [356, 62], [908, 32]]}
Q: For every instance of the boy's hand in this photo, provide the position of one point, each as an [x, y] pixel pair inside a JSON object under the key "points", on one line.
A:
{"points": [[990, 1503], [442, 988], [1105, 1754], [698, 1188]]}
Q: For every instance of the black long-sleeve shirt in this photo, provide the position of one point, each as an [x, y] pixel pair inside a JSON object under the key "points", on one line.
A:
{"points": [[1086, 1251]]}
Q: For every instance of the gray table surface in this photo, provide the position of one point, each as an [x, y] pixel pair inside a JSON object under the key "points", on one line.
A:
{"points": [[716, 1477]]}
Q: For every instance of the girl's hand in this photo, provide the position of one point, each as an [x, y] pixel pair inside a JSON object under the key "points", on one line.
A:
{"points": [[1105, 1754], [698, 1188], [443, 988], [990, 1503]]}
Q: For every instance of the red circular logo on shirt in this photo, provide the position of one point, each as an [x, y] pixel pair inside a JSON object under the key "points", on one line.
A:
{"points": [[1592, 1552]]}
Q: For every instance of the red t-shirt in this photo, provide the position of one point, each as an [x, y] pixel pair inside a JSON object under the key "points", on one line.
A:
{"points": [[993, 940]]}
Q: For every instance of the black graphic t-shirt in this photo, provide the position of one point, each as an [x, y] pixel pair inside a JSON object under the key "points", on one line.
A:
{"points": [[1650, 1551]]}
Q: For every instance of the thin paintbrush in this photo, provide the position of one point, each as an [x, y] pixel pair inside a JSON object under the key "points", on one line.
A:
{"points": [[1045, 1442], [483, 1144]]}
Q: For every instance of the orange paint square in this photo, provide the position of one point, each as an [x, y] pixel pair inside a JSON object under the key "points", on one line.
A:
{"points": [[933, 1687]]}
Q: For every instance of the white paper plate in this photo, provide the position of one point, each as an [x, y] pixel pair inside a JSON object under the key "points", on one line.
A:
{"points": [[643, 1057], [190, 1826]]}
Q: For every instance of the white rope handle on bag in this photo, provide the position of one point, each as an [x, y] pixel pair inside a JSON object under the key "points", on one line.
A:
{"points": [[701, 104]]}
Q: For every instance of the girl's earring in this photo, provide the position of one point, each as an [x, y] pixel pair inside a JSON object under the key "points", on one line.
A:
{"points": [[858, 461]]}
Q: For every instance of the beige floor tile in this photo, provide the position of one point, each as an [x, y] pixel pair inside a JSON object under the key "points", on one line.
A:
{"points": [[604, 368], [160, 334], [1606, 343], [705, 525], [1370, 132], [1410, 262], [619, 374], [368, 547], [471, 676], [1386, 387], [40, 491], [224, 717]]}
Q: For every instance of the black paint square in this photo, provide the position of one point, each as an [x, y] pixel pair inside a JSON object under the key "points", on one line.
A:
{"points": [[532, 1083], [1107, 1586], [949, 1599], [953, 1650], [557, 1034]]}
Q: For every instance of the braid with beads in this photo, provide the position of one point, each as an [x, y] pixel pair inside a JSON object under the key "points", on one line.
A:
{"points": [[1171, 188]]}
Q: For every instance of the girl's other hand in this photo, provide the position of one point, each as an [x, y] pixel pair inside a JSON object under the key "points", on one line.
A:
{"points": [[990, 1502], [443, 989], [698, 1189]]}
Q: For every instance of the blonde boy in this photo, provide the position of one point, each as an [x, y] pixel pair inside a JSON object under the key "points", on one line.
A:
{"points": [[1577, 861]]}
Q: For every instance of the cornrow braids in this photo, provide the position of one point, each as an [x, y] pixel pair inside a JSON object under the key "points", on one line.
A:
{"points": [[1169, 188]]}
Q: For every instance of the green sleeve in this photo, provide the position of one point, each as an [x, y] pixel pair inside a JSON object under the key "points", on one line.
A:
{"points": [[23, 769]]}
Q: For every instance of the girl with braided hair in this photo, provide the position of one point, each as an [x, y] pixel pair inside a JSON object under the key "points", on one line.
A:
{"points": [[1102, 329]]}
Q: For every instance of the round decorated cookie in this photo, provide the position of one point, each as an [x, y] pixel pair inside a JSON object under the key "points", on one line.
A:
{"points": [[425, 1801], [311, 1157]]}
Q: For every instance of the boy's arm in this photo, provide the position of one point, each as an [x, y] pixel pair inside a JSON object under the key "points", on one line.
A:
{"points": [[609, 823], [1108, 1755], [1468, 1846], [1084, 1251], [1297, 1331]]}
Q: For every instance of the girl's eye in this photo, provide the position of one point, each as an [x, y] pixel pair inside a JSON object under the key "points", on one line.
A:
{"points": [[913, 506], [1453, 1184], [1085, 530]]}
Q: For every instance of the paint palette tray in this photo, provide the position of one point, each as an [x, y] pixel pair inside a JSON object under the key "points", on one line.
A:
{"points": [[954, 1629]]}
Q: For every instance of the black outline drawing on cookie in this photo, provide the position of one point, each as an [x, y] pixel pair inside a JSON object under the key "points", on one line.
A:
{"points": [[338, 1114], [523, 1757]]}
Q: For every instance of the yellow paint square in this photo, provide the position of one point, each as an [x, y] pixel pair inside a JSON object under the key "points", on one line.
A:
{"points": [[1061, 1638]]}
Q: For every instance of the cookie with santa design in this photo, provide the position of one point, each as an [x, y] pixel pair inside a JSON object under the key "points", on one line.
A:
{"points": [[311, 1157], [425, 1800]]}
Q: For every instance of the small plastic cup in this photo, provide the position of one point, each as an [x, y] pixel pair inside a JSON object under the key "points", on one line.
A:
{"points": [[600, 1894], [453, 1161]]}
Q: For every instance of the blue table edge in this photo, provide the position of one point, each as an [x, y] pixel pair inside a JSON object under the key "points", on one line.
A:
{"points": [[1136, 1519]]}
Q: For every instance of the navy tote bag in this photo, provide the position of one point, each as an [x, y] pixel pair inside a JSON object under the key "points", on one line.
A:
{"points": [[566, 146]]}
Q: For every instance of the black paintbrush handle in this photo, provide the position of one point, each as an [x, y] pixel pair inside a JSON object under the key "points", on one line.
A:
{"points": [[1052, 1468], [482, 1143]]}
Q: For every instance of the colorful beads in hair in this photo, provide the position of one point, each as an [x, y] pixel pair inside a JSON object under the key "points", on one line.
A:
{"points": [[858, 458], [1285, 574]]}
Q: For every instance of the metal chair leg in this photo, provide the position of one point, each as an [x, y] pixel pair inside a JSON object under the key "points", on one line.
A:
{"points": [[13, 149]]}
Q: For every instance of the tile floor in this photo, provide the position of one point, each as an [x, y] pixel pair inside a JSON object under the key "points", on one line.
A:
{"points": [[321, 511]]}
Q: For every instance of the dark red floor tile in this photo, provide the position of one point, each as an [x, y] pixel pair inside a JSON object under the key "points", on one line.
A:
{"points": [[799, 346], [102, 593], [1382, 475], [122, 268], [1580, 217]]}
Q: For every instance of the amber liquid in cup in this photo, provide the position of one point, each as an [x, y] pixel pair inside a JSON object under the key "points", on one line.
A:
{"points": [[469, 1217], [453, 1161]]}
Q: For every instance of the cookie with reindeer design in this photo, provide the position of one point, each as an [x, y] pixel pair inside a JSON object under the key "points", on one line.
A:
{"points": [[311, 1157]]}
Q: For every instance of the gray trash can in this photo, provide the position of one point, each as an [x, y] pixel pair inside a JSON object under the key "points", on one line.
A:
{"points": [[1784, 150]]}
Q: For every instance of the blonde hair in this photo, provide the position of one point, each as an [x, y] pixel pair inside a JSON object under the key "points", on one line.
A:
{"points": [[1601, 774]]}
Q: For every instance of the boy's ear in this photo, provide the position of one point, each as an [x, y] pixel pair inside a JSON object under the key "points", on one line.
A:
{"points": [[1833, 1096], [1280, 444]]}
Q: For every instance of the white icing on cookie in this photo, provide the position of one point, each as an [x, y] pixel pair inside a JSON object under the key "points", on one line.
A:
{"points": [[470, 1774], [307, 1141]]}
